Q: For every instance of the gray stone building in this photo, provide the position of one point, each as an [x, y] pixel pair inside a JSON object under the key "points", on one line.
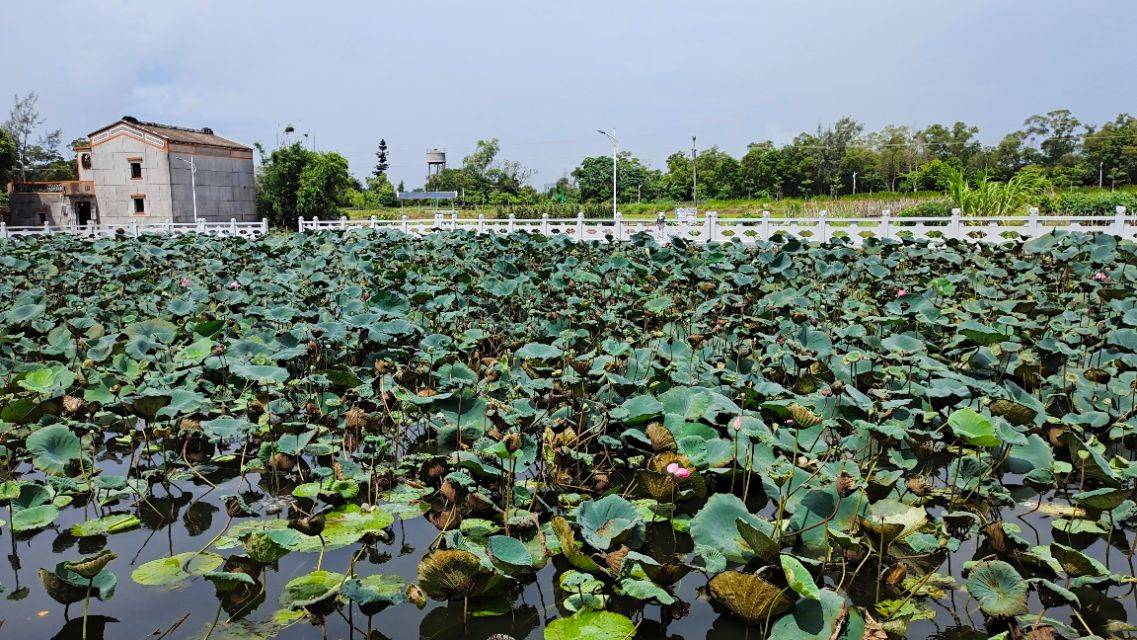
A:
{"points": [[135, 171]]}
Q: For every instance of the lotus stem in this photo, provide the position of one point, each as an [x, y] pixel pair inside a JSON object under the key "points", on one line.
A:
{"points": [[87, 604]]}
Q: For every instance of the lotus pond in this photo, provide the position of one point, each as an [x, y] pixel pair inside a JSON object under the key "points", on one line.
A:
{"points": [[376, 436]]}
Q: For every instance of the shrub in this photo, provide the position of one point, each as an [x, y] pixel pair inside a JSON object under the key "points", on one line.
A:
{"points": [[927, 210], [1089, 203]]}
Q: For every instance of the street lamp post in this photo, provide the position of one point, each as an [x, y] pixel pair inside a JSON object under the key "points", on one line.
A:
{"points": [[615, 148], [193, 183]]}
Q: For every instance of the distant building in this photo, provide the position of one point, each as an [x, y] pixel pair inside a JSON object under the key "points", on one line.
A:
{"points": [[139, 171]]}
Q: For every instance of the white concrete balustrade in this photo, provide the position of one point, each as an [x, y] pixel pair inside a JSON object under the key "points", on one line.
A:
{"points": [[712, 228], [137, 229]]}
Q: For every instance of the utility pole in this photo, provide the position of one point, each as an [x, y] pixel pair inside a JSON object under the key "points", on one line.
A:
{"points": [[193, 183], [1101, 174], [615, 147], [695, 175]]}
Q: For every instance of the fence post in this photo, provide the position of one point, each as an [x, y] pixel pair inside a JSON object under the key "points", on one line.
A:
{"points": [[1119, 221], [580, 225], [1032, 223], [544, 224], [4, 230], [438, 219], [764, 231], [886, 223], [264, 226], [712, 226], [406, 225], [512, 220], [823, 225], [133, 229], [372, 222], [618, 226], [46, 227], [300, 224], [481, 223], [200, 225], [955, 226]]}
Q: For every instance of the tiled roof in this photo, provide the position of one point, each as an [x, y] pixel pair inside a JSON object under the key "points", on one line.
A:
{"points": [[184, 135]]}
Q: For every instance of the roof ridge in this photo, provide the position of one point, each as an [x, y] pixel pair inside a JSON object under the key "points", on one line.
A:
{"points": [[145, 123]]}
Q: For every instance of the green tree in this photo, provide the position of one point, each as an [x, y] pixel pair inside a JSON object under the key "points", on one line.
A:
{"points": [[381, 164], [594, 178], [42, 159], [8, 155], [1111, 152], [1057, 134], [762, 171], [958, 141], [295, 181]]}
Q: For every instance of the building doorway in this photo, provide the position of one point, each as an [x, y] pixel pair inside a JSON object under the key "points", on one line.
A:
{"points": [[83, 212]]}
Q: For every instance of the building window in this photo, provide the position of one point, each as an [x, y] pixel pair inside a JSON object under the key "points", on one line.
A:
{"points": [[136, 169], [139, 205]]}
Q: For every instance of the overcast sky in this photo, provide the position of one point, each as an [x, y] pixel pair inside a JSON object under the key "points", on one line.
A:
{"points": [[543, 76]]}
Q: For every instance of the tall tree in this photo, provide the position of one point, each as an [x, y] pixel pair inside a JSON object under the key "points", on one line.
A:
{"points": [[1057, 134], [1111, 152], [23, 120], [381, 164]]}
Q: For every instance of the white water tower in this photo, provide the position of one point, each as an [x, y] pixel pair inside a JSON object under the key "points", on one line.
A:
{"points": [[435, 162]]}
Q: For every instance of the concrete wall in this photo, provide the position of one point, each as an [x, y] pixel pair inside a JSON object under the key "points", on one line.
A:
{"points": [[115, 189], [225, 187], [33, 209]]}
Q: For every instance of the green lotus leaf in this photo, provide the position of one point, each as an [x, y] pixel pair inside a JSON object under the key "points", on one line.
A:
{"points": [[227, 429], [889, 520], [375, 592], [310, 589], [66, 586], [228, 580], [539, 351], [812, 619], [1000, 590], [510, 552], [346, 525], [716, 526], [591, 625], [34, 518], [270, 545], [570, 547], [973, 428], [53, 448], [609, 521], [105, 525], [48, 380], [174, 569], [799, 578]]}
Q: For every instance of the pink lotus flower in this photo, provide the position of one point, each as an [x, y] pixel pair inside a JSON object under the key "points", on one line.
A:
{"points": [[185, 281], [678, 471], [736, 424], [900, 293], [1100, 277], [234, 285]]}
